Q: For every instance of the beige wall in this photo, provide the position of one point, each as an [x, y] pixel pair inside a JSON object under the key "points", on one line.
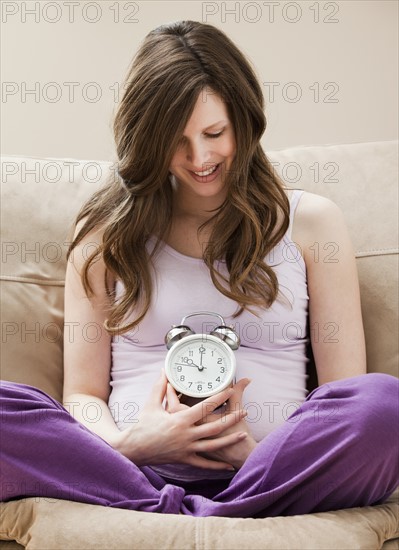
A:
{"points": [[333, 65]]}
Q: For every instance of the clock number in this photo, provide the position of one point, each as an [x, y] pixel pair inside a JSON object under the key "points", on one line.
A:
{"points": [[220, 361], [179, 368], [190, 384], [222, 369], [218, 379], [199, 387], [182, 378], [191, 353], [210, 386]]}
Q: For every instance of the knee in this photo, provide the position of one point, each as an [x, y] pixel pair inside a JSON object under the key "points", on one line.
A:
{"points": [[15, 397], [365, 390], [368, 404], [362, 413], [378, 391], [374, 407]]}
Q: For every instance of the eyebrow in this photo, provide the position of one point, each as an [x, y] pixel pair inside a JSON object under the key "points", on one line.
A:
{"points": [[214, 124]]}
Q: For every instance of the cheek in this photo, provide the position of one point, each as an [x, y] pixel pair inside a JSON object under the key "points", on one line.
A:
{"points": [[176, 160], [229, 156], [228, 148]]}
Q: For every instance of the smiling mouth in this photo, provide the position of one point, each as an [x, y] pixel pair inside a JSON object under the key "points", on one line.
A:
{"points": [[207, 172]]}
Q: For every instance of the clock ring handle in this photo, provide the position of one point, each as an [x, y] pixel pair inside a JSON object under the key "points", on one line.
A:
{"points": [[211, 313], [225, 333]]}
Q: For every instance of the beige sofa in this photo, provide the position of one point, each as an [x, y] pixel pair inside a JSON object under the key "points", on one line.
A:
{"points": [[40, 197]]}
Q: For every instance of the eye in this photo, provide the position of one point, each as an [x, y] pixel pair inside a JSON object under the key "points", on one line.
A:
{"points": [[215, 135], [212, 136]]}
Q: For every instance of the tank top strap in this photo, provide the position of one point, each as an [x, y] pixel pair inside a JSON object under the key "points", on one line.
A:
{"points": [[295, 196]]}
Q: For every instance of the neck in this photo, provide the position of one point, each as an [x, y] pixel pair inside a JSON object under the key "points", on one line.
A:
{"points": [[192, 207]]}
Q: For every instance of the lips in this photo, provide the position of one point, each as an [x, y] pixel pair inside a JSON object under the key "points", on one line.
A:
{"points": [[208, 178], [207, 172]]}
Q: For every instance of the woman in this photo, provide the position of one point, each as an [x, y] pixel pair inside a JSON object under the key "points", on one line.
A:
{"points": [[198, 220]]}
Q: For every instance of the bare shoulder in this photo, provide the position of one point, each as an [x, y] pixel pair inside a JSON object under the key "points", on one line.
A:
{"points": [[311, 207], [317, 218], [319, 222], [89, 243], [95, 234]]}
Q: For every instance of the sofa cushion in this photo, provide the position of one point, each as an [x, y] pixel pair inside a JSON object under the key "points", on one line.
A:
{"points": [[362, 179], [50, 524], [40, 199]]}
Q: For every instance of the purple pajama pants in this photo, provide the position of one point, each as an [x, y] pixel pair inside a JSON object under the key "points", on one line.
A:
{"points": [[338, 450]]}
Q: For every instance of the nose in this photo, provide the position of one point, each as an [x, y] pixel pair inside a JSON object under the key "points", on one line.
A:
{"points": [[199, 155]]}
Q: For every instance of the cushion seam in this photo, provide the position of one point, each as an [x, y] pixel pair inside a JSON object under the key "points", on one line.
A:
{"points": [[376, 252], [32, 280]]}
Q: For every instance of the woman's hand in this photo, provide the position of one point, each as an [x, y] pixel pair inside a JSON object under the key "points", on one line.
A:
{"points": [[183, 435], [238, 453], [234, 454]]}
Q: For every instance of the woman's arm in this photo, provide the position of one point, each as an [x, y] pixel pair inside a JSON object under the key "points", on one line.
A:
{"points": [[336, 326], [87, 345], [159, 436]]}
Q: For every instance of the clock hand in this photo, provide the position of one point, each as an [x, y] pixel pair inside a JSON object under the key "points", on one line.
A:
{"points": [[202, 351], [191, 364]]}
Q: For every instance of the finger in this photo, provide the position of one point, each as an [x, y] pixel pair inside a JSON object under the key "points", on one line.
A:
{"points": [[233, 404], [158, 391], [218, 413], [202, 462], [238, 388], [243, 383], [212, 417], [210, 445], [212, 429], [201, 410], [173, 403]]}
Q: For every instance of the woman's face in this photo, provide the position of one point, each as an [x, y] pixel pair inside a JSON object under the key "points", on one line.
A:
{"points": [[208, 141]]}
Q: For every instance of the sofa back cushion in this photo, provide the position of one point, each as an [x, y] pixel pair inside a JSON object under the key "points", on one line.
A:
{"points": [[41, 197], [362, 179]]}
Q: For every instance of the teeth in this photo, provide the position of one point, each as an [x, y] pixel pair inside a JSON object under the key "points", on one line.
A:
{"points": [[207, 172]]}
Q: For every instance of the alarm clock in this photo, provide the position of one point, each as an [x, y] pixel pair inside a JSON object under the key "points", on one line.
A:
{"points": [[201, 365]]}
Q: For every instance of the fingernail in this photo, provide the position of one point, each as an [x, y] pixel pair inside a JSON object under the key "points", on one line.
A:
{"points": [[242, 435], [231, 469]]}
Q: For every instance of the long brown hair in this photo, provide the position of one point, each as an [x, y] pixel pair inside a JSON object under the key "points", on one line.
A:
{"points": [[175, 63]]}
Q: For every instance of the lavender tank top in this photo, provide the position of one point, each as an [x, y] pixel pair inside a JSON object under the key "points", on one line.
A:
{"points": [[272, 351]]}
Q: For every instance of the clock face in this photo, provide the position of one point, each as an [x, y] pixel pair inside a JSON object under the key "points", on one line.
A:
{"points": [[200, 365]]}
